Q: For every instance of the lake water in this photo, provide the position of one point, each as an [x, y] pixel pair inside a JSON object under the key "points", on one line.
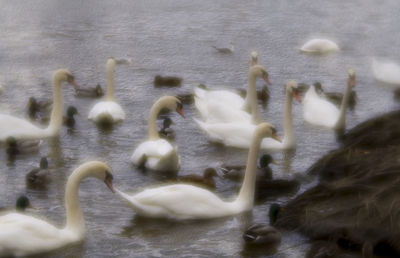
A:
{"points": [[176, 38]]}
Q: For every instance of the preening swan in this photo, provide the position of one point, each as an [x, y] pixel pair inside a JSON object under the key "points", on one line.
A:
{"points": [[239, 134], [22, 235], [108, 110], [155, 153], [319, 111], [224, 106], [388, 72], [183, 201], [319, 46], [23, 129]]}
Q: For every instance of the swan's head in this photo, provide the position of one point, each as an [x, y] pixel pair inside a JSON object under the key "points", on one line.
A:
{"points": [[259, 71], [172, 103], [254, 58], [291, 87], [209, 173], [44, 164], [352, 77], [111, 62], [65, 75], [265, 130], [99, 170], [71, 111], [22, 203], [265, 160]]}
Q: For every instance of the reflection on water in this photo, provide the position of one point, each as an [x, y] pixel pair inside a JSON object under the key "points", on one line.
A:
{"points": [[176, 37]]}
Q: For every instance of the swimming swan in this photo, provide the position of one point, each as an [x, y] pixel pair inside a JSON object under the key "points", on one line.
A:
{"points": [[22, 235], [156, 153], [108, 110], [183, 201], [21, 129]]}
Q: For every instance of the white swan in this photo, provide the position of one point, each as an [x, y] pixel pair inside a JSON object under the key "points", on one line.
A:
{"points": [[319, 46], [319, 111], [184, 201], [387, 72], [239, 134], [156, 153], [22, 235], [22, 129], [108, 111], [223, 106]]}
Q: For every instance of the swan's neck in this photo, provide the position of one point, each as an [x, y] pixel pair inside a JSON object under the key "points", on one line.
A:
{"points": [[251, 104], [289, 139], [245, 198], [341, 122], [75, 219], [56, 119], [110, 82], [153, 132]]}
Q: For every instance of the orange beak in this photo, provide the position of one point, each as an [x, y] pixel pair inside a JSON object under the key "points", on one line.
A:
{"points": [[297, 96], [108, 182], [266, 79], [276, 137], [180, 112]]}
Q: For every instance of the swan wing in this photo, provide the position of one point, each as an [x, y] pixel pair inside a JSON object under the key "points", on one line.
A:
{"points": [[319, 111], [107, 110], [18, 128], [386, 72], [21, 235]]}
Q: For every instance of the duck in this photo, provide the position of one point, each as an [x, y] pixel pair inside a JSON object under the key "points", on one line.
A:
{"points": [[22, 129], [89, 92], [14, 147], [319, 46], [156, 153], [69, 119], [225, 50], [224, 106], [387, 72], [35, 235], [337, 97], [21, 204], [262, 233], [169, 81], [239, 134], [108, 111], [318, 111], [236, 172], [35, 107], [166, 132], [185, 201], [38, 177], [206, 181]]}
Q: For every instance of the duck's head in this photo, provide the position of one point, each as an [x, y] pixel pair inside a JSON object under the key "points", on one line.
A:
{"points": [[318, 87], [273, 213], [71, 111], [32, 103], [291, 87], [260, 71], [352, 77], [167, 122], [65, 75], [209, 173], [99, 90], [44, 164], [22, 203], [265, 160]]}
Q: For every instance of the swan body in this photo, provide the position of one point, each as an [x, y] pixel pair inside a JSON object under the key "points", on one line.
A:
{"points": [[22, 129], [23, 235], [108, 110], [388, 72], [319, 46], [183, 201], [319, 111], [225, 106], [155, 153], [239, 134]]}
